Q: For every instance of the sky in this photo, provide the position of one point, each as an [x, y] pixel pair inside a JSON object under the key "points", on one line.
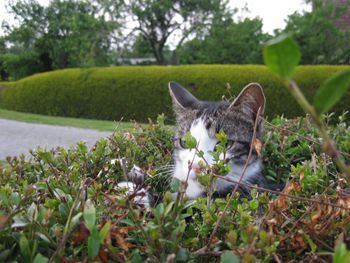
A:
{"points": [[273, 12]]}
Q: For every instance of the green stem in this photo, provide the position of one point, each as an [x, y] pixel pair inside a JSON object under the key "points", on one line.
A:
{"points": [[69, 220], [328, 145]]}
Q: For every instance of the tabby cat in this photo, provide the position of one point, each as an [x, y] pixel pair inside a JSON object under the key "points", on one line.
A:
{"points": [[204, 120]]}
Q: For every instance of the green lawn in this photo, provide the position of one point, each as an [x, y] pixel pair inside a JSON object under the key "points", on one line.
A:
{"points": [[73, 122]]}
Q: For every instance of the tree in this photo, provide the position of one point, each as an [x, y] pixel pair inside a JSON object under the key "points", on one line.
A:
{"points": [[139, 47], [320, 37], [66, 33], [227, 42], [3, 71], [157, 20]]}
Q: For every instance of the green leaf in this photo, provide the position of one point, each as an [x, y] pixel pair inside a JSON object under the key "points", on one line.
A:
{"points": [[168, 208], [190, 141], [200, 154], [63, 209], [311, 243], [229, 257], [222, 137], [24, 247], [15, 198], [182, 255], [204, 179], [93, 243], [32, 212], [75, 220], [254, 204], [43, 237], [136, 257], [40, 259], [19, 222], [45, 156], [341, 255], [89, 214], [232, 237], [282, 55], [104, 231], [175, 185], [331, 91], [159, 211]]}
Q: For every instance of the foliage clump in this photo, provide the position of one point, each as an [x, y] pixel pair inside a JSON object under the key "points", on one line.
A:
{"points": [[64, 204]]}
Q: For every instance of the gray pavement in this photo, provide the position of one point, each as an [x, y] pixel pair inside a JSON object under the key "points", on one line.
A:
{"points": [[18, 137]]}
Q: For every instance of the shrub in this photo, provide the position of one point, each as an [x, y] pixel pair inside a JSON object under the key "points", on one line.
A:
{"points": [[141, 92], [19, 66], [63, 204]]}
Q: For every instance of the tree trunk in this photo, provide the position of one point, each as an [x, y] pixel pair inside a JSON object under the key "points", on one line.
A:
{"points": [[174, 58], [161, 60]]}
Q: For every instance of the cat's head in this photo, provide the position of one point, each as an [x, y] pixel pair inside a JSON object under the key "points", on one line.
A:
{"points": [[204, 119]]}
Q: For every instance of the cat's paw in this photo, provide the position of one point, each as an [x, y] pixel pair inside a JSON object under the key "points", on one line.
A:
{"points": [[136, 175]]}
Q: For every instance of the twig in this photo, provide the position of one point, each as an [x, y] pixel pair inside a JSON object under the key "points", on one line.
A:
{"points": [[276, 258]]}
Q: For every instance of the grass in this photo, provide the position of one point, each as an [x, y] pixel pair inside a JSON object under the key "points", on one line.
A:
{"points": [[61, 121]]}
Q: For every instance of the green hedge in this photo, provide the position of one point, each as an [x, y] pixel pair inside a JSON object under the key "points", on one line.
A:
{"points": [[126, 93]]}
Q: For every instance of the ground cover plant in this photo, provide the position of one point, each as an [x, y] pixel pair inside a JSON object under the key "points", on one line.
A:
{"points": [[63, 204]]}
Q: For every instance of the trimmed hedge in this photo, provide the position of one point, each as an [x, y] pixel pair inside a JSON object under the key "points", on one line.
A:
{"points": [[138, 93]]}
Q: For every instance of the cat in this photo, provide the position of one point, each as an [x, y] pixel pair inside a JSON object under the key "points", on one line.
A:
{"points": [[204, 120]]}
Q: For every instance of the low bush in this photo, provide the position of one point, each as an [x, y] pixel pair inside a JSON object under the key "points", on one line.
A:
{"points": [[64, 204], [141, 92]]}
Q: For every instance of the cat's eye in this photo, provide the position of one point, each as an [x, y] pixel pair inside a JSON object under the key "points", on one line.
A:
{"points": [[229, 144], [182, 143]]}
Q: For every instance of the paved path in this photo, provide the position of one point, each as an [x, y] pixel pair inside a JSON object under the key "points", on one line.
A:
{"points": [[18, 137]]}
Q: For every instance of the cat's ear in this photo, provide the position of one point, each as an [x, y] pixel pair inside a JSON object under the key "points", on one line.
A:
{"points": [[251, 99], [182, 99]]}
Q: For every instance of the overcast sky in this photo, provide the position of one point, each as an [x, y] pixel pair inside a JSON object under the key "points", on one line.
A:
{"points": [[273, 12]]}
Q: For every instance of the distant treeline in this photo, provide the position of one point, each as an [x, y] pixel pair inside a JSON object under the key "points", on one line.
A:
{"points": [[71, 33]]}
